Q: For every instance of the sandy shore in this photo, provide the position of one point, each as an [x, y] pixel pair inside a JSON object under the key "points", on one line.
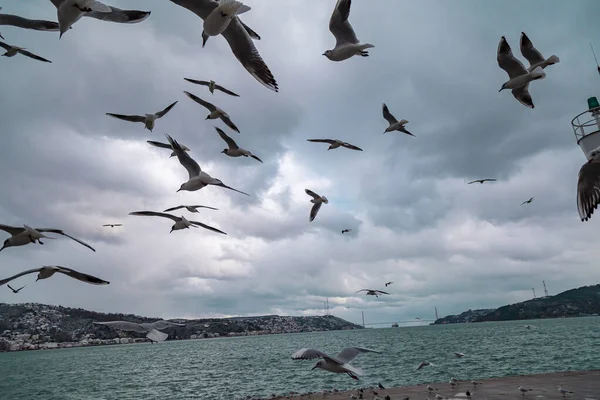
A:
{"points": [[584, 384]]}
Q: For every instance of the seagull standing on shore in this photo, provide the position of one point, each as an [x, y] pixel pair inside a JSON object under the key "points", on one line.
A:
{"points": [[475, 383], [563, 391], [340, 364], [346, 42], [523, 390]]}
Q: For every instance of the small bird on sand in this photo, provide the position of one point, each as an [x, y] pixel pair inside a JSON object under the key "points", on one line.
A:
{"points": [[468, 394], [563, 391], [482, 181], [381, 386], [523, 390]]}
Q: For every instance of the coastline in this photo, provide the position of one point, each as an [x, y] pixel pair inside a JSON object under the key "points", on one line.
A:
{"points": [[584, 384]]}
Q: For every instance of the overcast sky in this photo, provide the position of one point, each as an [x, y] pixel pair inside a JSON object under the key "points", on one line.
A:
{"points": [[414, 220]]}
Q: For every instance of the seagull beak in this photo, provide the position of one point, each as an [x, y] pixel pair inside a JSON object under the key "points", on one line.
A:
{"points": [[313, 367], [178, 190], [3, 247], [323, 54], [37, 279]]}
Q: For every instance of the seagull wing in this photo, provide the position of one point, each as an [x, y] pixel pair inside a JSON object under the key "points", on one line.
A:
{"points": [[351, 146], [210, 228], [229, 123], [13, 230], [174, 208], [311, 193], [20, 274], [588, 188], [34, 24], [256, 158], [507, 61], [211, 107], [330, 141], [349, 353], [184, 158], [529, 52], [34, 56], [311, 354], [422, 364], [124, 326], [80, 276], [201, 8], [203, 83], [221, 184], [388, 115], [165, 111], [251, 33], [130, 118], [120, 16], [229, 92], [60, 232], [339, 25], [314, 210], [155, 214], [5, 46], [475, 181], [523, 96], [490, 180], [211, 208], [157, 336], [381, 291], [159, 144], [363, 290]]}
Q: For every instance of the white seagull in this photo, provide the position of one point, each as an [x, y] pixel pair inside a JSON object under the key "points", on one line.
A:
{"points": [[563, 391], [340, 364], [239, 37], [151, 328], [12, 51], [48, 270], [167, 146], [395, 125], [588, 186], [459, 355], [25, 23], [114, 15], [523, 390], [318, 200], [519, 76], [147, 119], [335, 143], [219, 18], [212, 86], [25, 235], [71, 11], [197, 178], [533, 55], [431, 389], [192, 209], [475, 383], [215, 112], [423, 364], [372, 292], [180, 222], [346, 42], [234, 150]]}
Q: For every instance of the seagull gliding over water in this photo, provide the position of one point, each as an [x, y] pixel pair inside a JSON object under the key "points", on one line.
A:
{"points": [[340, 364]]}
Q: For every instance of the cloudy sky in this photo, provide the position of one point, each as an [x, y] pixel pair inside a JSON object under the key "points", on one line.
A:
{"points": [[65, 164]]}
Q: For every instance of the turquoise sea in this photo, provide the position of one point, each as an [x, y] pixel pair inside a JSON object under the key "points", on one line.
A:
{"points": [[232, 368]]}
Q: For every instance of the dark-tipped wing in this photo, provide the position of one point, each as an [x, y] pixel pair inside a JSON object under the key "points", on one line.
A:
{"points": [[201, 8], [364, 290], [475, 181], [351, 146], [311, 193], [13, 230], [349, 353], [5, 46], [388, 115], [60, 232], [381, 291], [228, 187], [34, 24], [315, 210], [166, 110], [154, 214], [229, 92], [523, 96], [203, 83], [210, 228], [159, 144], [529, 51], [174, 208], [330, 141], [229, 123], [198, 100], [34, 56], [184, 158], [507, 61], [80, 276], [251, 33], [130, 118], [119, 16], [339, 25], [256, 158], [20, 274], [311, 354], [588, 189]]}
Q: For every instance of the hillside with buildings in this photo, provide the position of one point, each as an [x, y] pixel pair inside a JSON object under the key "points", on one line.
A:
{"points": [[37, 326]]}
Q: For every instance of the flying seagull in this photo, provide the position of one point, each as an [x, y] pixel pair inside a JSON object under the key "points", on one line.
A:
{"points": [[239, 37], [346, 230], [528, 201], [148, 119], [212, 86], [180, 222], [25, 23], [215, 112], [459, 355], [112, 225], [167, 146], [192, 209], [151, 328], [335, 143], [21, 236], [388, 283], [346, 42], [395, 125], [340, 364], [16, 290], [519, 77], [372, 292], [12, 51], [234, 150], [482, 181], [588, 186], [48, 270], [219, 18], [197, 178], [318, 201], [424, 364], [533, 55]]}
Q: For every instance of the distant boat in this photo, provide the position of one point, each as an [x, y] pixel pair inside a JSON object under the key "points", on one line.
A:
{"points": [[395, 325]]}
